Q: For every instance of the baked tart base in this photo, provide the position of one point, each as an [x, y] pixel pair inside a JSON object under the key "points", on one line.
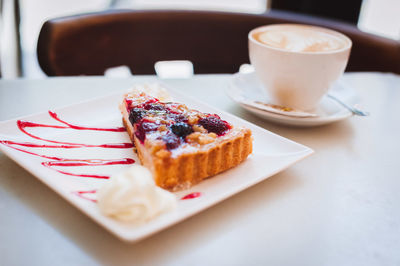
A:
{"points": [[202, 152]]}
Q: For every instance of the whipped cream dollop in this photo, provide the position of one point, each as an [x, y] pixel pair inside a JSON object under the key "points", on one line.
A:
{"points": [[133, 196]]}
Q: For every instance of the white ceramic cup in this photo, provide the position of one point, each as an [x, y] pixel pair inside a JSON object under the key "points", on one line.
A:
{"points": [[293, 77]]}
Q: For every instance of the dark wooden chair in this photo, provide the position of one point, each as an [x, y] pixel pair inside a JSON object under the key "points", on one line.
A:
{"points": [[216, 42], [344, 10]]}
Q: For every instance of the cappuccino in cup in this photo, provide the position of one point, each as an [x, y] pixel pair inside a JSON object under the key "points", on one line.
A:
{"points": [[297, 38], [298, 63]]}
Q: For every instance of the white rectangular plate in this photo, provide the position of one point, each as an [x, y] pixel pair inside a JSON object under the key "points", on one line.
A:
{"points": [[271, 154]]}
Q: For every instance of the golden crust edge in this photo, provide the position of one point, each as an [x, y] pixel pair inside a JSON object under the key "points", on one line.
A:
{"points": [[188, 169]]}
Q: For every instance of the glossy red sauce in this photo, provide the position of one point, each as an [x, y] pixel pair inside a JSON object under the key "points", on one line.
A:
{"points": [[89, 162], [22, 125], [55, 116], [68, 162], [82, 194], [191, 196]]}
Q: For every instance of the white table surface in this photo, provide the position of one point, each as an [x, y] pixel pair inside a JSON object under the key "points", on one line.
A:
{"points": [[340, 206]]}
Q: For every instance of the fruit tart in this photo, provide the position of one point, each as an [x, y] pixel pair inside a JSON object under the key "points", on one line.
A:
{"points": [[181, 146]]}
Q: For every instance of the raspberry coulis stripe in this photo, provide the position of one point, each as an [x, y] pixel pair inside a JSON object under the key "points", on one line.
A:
{"points": [[23, 125], [67, 162]]}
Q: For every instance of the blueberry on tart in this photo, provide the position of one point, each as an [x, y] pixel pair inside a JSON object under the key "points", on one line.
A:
{"points": [[181, 146]]}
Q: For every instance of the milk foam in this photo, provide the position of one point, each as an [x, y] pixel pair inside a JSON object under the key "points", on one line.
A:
{"points": [[299, 39]]}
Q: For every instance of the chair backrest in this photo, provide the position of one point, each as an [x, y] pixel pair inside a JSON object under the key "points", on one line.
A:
{"points": [[216, 42]]}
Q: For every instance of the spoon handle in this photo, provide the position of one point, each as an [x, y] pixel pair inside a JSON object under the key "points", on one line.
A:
{"points": [[352, 109]]}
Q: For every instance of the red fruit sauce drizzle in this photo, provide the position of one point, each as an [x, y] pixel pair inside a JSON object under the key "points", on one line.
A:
{"points": [[66, 162], [88, 162], [82, 194], [22, 125], [116, 129], [191, 196]]}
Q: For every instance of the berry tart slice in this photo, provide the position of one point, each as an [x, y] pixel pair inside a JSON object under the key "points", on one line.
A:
{"points": [[181, 146]]}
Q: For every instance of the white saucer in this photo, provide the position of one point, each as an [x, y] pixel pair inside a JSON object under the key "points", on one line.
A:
{"points": [[245, 88]]}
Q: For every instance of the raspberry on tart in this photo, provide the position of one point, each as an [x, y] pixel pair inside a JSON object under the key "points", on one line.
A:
{"points": [[181, 146]]}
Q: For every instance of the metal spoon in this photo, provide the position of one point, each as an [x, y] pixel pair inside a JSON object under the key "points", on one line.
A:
{"points": [[352, 109]]}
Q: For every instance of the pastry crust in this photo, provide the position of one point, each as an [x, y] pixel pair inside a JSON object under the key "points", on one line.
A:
{"points": [[181, 168]]}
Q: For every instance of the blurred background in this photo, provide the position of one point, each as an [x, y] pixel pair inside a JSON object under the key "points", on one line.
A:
{"points": [[21, 20]]}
